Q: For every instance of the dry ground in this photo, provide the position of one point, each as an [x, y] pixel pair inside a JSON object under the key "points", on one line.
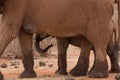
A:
{"points": [[15, 67]]}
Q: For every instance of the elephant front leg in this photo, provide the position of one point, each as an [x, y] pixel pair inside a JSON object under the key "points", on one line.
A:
{"points": [[62, 44], [7, 34], [27, 55], [82, 65]]}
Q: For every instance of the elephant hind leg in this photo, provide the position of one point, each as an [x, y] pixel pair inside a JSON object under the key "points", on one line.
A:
{"points": [[27, 55], [82, 65], [100, 68]]}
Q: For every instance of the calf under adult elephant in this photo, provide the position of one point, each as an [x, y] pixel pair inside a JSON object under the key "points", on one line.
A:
{"points": [[63, 19]]}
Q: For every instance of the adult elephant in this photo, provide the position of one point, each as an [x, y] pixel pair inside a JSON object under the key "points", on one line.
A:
{"points": [[83, 61], [62, 19]]}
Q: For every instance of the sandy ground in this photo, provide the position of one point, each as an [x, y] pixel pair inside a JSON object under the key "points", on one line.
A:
{"points": [[15, 67]]}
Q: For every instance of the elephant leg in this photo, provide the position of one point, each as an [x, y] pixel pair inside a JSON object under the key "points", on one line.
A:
{"points": [[100, 68], [9, 26], [1, 76], [117, 57], [82, 65], [116, 60], [100, 39], [111, 51], [62, 44], [27, 55]]}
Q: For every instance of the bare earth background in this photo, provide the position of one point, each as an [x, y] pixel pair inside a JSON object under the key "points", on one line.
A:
{"points": [[46, 72], [13, 67]]}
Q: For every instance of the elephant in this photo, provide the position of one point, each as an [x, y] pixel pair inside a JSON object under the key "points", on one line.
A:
{"points": [[63, 19], [111, 51]]}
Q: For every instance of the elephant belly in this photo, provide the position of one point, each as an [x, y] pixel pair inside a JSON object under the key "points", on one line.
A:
{"points": [[76, 41], [58, 18]]}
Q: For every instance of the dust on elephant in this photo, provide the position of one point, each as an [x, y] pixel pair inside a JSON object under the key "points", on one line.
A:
{"points": [[62, 19]]}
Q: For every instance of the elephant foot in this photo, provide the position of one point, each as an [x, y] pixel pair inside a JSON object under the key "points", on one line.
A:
{"points": [[1, 76], [98, 74], [27, 74], [60, 72], [77, 72]]}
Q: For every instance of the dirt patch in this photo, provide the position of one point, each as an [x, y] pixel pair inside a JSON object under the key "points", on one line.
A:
{"points": [[49, 66]]}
